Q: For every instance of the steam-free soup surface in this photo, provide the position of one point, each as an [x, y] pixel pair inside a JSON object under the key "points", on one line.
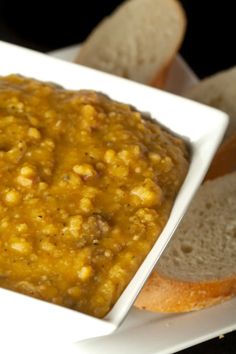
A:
{"points": [[86, 187]]}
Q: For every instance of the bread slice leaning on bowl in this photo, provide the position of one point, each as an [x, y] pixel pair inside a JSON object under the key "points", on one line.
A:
{"points": [[218, 91], [198, 268], [138, 41]]}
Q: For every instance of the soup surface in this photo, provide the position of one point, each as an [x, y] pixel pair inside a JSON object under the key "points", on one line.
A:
{"points": [[87, 185]]}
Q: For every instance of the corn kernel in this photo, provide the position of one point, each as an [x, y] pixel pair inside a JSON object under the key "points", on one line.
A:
{"points": [[23, 181], [75, 224], [119, 171], [88, 111], [12, 197], [74, 180], [126, 156], [149, 193], [85, 272], [90, 192], [27, 171], [86, 205], [34, 121], [47, 171], [100, 166], [147, 215], [108, 253], [50, 114], [8, 119], [75, 291], [84, 170], [42, 186], [4, 224], [167, 163], [136, 237], [47, 246], [49, 143], [154, 157], [109, 156], [22, 227], [136, 150], [34, 133], [21, 246], [49, 229], [137, 170]]}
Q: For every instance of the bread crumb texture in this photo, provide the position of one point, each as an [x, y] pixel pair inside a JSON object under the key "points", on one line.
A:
{"points": [[204, 245]]}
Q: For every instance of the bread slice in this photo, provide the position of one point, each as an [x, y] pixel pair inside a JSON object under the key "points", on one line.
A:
{"points": [[198, 268], [218, 91], [138, 41]]}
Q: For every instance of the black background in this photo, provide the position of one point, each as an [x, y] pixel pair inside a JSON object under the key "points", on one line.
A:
{"points": [[209, 46]]}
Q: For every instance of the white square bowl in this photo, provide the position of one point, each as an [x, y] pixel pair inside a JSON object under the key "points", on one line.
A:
{"points": [[201, 126]]}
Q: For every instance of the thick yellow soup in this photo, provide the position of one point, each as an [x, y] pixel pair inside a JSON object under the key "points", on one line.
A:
{"points": [[86, 186]]}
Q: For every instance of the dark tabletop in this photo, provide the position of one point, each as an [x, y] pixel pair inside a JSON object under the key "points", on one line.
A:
{"points": [[209, 46]]}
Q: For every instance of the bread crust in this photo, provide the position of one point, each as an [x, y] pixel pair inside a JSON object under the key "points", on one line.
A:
{"points": [[162, 294], [225, 159], [160, 78]]}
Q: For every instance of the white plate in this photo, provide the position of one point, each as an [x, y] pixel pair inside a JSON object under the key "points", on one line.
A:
{"points": [[150, 333], [204, 131]]}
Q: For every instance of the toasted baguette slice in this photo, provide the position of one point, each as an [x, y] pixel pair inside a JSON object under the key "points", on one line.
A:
{"points": [[218, 91], [198, 268], [138, 41]]}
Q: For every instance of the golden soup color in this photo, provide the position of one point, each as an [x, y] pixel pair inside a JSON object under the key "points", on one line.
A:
{"points": [[87, 185]]}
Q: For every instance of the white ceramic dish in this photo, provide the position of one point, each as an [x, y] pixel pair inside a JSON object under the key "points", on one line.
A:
{"points": [[203, 127], [153, 333]]}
